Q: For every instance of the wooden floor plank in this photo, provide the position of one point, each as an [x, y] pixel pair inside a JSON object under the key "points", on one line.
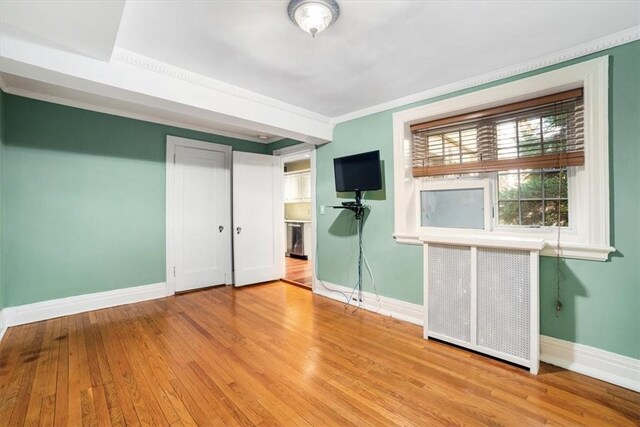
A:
{"points": [[26, 382], [276, 354], [138, 384], [12, 368], [40, 378], [61, 411], [299, 271]]}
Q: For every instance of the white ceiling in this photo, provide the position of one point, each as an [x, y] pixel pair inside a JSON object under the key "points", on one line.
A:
{"points": [[377, 51], [89, 28], [242, 68]]}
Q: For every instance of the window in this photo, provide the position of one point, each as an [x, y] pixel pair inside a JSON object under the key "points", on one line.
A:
{"points": [[545, 131], [546, 162], [533, 198]]}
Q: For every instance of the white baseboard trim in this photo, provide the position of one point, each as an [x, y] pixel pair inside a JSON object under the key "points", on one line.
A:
{"points": [[44, 310], [409, 312], [603, 365]]}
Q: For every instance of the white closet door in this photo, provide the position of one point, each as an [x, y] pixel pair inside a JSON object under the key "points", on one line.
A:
{"points": [[201, 218], [258, 212]]}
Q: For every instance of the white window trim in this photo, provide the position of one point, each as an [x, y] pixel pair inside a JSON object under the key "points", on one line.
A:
{"points": [[589, 237]]}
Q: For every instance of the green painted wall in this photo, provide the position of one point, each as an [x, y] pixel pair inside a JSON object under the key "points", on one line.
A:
{"points": [[283, 143], [84, 195], [600, 298]]}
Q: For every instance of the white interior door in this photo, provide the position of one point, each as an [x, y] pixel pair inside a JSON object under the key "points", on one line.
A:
{"points": [[258, 212], [202, 220]]}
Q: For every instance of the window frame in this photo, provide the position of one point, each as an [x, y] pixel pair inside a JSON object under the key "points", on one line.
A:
{"points": [[570, 229], [589, 184]]}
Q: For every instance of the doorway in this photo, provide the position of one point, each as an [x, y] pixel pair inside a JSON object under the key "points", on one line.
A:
{"points": [[299, 222]]}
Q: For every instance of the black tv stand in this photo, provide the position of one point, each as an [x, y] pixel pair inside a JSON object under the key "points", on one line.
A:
{"points": [[356, 206], [358, 210]]}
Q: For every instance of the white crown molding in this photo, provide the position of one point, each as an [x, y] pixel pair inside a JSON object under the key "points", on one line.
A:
{"points": [[128, 114], [160, 67], [51, 309], [42, 64], [603, 365], [613, 40]]}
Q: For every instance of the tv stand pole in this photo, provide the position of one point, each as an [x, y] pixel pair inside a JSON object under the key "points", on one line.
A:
{"points": [[359, 224], [358, 209], [358, 198]]}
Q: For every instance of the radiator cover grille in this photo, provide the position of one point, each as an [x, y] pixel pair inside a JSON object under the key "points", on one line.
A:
{"points": [[449, 291], [504, 302]]}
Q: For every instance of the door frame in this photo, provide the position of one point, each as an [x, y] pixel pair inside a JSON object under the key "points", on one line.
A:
{"points": [[172, 143], [311, 150]]}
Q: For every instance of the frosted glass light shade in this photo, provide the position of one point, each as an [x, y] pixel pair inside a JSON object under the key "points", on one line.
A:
{"points": [[313, 16]]}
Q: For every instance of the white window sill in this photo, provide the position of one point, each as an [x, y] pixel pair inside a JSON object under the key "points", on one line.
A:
{"points": [[579, 251], [567, 250], [484, 240]]}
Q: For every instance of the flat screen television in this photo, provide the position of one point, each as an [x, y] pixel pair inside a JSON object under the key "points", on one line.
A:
{"points": [[358, 172]]}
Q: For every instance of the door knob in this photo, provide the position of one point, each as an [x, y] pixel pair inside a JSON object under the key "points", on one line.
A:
{"points": [[238, 230], [221, 228]]}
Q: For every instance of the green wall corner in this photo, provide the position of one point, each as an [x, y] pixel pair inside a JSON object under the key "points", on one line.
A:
{"points": [[283, 143]]}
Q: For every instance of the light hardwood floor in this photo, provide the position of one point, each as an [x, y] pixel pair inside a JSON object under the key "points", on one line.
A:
{"points": [[275, 354], [298, 270]]}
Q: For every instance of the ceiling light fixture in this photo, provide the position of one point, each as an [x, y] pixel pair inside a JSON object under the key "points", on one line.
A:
{"points": [[313, 16]]}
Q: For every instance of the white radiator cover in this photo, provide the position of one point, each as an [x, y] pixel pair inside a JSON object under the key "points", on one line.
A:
{"points": [[484, 298]]}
